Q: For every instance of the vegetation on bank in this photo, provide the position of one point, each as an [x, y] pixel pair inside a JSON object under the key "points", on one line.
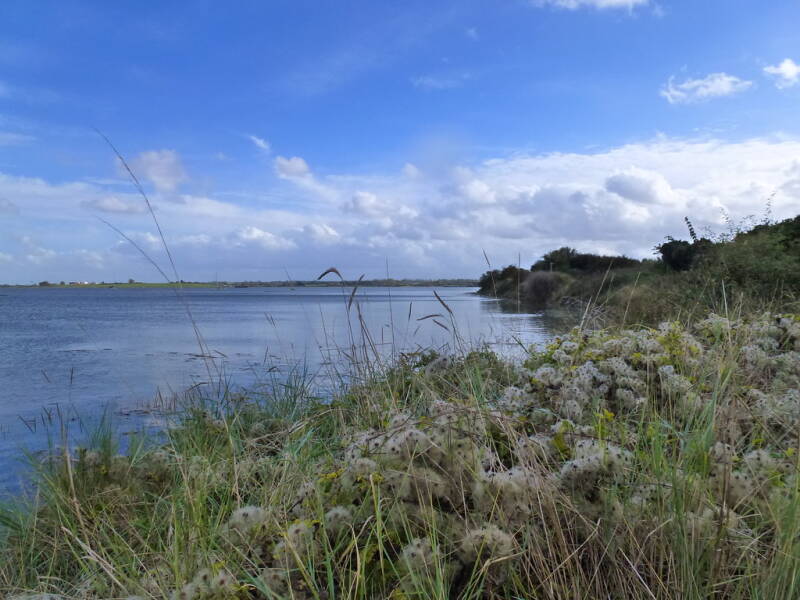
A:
{"points": [[646, 463], [750, 265]]}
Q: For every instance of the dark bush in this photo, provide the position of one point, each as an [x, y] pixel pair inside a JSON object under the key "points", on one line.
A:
{"points": [[569, 260], [502, 282], [678, 255], [540, 287]]}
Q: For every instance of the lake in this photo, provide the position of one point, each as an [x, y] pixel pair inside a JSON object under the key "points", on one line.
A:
{"points": [[67, 355]]}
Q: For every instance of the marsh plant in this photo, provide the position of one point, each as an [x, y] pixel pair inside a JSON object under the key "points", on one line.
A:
{"points": [[651, 462]]}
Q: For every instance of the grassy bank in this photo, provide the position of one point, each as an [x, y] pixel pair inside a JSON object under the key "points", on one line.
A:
{"points": [[750, 266], [646, 463]]}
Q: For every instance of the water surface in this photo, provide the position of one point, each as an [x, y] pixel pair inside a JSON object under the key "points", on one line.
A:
{"points": [[68, 354]]}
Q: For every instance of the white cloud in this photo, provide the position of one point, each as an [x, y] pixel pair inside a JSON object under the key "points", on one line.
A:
{"points": [[6, 258], [711, 86], [34, 252], [7, 207], [786, 73], [291, 168], [623, 199], [599, 4], [365, 204], [472, 33], [115, 205], [477, 192], [250, 235], [163, 168], [260, 143], [319, 233], [411, 171], [640, 186]]}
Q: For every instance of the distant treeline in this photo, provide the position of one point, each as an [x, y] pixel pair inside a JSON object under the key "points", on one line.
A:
{"points": [[243, 284], [752, 264]]}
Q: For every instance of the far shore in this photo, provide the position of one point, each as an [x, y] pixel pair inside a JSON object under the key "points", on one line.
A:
{"points": [[256, 284]]}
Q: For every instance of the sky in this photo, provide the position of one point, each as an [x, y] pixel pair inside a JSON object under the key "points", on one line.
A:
{"points": [[404, 139]]}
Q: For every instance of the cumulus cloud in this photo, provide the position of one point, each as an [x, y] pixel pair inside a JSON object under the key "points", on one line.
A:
{"points": [[714, 85], [319, 233], [260, 143], [599, 4], [640, 186], [786, 73], [163, 168], [292, 168], [251, 235], [297, 171], [622, 199]]}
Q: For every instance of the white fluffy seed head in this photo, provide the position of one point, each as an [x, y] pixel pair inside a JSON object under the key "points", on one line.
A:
{"points": [[223, 582], [275, 580], [418, 555], [338, 519], [488, 541]]}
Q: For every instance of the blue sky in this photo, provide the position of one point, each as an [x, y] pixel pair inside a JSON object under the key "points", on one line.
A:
{"points": [[291, 136]]}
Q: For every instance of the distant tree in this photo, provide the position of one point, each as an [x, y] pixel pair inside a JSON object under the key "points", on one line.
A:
{"points": [[61, 283], [131, 280], [44, 283]]}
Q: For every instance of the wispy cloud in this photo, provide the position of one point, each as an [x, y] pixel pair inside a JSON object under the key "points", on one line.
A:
{"points": [[714, 85], [8, 138], [786, 73], [432, 82], [598, 4], [260, 143], [115, 205]]}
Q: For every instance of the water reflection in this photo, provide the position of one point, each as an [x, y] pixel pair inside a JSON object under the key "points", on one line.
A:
{"points": [[74, 352]]}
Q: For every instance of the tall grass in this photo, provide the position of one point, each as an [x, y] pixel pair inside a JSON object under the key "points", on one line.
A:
{"points": [[614, 464]]}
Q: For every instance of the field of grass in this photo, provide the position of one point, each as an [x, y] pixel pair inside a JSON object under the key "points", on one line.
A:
{"points": [[642, 463]]}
